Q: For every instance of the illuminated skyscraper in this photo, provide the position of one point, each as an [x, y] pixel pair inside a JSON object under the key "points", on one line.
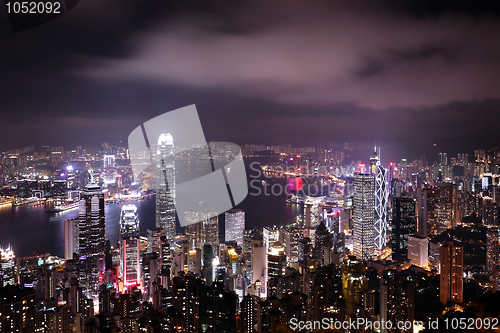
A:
{"points": [[363, 216], [154, 240], [7, 267], [71, 233], [292, 237], [404, 224], [165, 189], [91, 240], [235, 225], [275, 266], [380, 201], [109, 169], [452, 271], [204, 232], [129, 247], [270, 236]]}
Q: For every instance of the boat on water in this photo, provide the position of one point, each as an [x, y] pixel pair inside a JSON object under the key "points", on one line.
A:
{"points": [[62, 208]]}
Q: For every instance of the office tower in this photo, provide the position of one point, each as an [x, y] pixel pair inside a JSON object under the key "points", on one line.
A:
{"points": [[7, 267], [109, 169], [452, 271], [247, 240], [275, 266], [397, 299], [492, 249], [259, 256], [292, 237], [404, 224], [441, 208], [418, 248], [204, 232], [363, 216], [311, 218], [354, 283], [421, 203], [129, 247], [210, 233], [17, 309], [270, 235], [235, 225], [50, 282], [380, 202], [193, 234], [165, 187], [166, 262], [489, 212], [91, 240], [59, 188], [71, 233], [150, 273], [154, 240]]}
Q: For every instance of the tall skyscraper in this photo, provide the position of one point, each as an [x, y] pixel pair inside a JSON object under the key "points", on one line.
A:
{"points": [[7, 267], [270, 234], [204, 232], [275, 266], [380, 202], [404, 223], [109, 169], [452, 271], [363, 216], [154, 240], [292, 237], [91, 240], [129, 247], [71, 233], [235, 225], [165, 189]]}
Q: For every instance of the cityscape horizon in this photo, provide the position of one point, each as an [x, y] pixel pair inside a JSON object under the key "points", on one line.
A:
{"points": [[249, 166]]}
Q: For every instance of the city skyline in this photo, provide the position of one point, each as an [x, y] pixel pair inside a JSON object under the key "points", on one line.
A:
{"points": [[250, 167], [414, 74]]}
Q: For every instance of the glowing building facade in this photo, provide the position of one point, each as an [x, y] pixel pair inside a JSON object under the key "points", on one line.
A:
{"points": [[129, 247], [235, 225], [380, 202], [91, 240], [165, 187], [71, 233], [204, 232], [363, 216], [452, 273], [7, 267], [109, 169]]}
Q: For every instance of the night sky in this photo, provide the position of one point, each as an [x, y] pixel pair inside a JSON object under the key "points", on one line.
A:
{"points": [[400, 74]]}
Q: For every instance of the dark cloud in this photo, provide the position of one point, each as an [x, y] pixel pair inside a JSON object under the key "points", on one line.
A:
{"points": [[278, 72]]}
